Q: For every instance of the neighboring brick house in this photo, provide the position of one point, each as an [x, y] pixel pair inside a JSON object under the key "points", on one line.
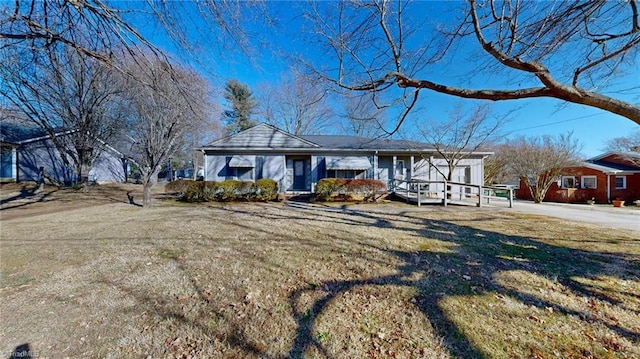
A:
{"points": [[610, 176]]}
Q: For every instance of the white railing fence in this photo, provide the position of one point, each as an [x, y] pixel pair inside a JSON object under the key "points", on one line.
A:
{"points": [[425, 191]]}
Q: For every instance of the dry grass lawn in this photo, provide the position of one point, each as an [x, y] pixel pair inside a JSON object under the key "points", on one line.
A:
{"points": [[86, 274]]}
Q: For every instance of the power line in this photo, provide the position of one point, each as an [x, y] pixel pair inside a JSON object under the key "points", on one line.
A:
{"points": [[553, 123]]}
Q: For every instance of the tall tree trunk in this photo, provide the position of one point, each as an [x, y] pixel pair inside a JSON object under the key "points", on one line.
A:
{"points": [[146, 194], [149, 179], [449, 179]]}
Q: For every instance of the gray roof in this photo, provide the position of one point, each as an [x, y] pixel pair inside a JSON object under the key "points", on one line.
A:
{"points": [[266, 137], [11, 132], [341, 142], [262, 136], [606, 166]]}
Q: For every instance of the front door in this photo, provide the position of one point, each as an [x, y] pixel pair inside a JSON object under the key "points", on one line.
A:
{"points": [[299, 175]]}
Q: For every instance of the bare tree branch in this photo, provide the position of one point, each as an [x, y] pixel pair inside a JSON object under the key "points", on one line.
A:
{"points": [[525, 37]]}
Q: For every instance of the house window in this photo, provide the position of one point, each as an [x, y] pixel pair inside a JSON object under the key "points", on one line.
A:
{"points": [[568, 182], [621, 182], [347, 174], [245, 174], [589, 182]]}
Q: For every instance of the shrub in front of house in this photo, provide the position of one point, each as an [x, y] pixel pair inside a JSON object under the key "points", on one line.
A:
{"points": [[328, 188], [209, 190], [265, 189], [339, 189], [366, 189], [228, 190], [177, 187], [245, 191], [199, 191]]}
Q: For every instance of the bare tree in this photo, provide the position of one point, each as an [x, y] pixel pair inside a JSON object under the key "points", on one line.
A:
{"points": [[628, 147], [296, 105], [165, 104], [461, 135], [539, 161], [75, 99], [568, 50], [36, 25], [361, 117], [496, 166]]}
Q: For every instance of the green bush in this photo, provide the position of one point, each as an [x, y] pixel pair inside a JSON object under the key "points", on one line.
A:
{"points": [[265, 189], [327, 187], [228, 190], [209, 190], [193, 192], [245, 191], [177, 187]]}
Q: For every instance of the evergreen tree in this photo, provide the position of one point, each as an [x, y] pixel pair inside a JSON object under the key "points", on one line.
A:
{"points": [[242, 104]]}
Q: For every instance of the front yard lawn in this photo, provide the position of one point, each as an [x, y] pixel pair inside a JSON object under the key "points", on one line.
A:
{"points": [[275, 280]]}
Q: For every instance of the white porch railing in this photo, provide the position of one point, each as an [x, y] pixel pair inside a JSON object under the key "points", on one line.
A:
{"points": [[446, 192]]}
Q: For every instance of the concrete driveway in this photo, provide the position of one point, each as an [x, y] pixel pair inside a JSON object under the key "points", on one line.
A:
{"points": [[605, 215]]}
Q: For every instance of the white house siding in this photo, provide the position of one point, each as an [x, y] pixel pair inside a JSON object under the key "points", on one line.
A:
{"points": [[468, 170], [38, 154], [273, 167], [107, 168], [385, 170], [421, 168], [215, 167], [31, 156]]}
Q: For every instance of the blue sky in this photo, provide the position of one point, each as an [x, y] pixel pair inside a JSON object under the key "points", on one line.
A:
{"points": [[592, 127]]}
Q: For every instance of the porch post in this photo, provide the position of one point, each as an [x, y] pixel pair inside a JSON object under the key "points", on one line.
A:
{"points": [[510, 197], [14, 164], [608, 188], [412, 164], [376, 175], [444, 200], [314, 171], [393, 172]]}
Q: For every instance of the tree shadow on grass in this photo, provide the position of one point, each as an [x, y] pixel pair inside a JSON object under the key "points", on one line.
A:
{"points": [[476, 258], [28, 195], [471, 266]]}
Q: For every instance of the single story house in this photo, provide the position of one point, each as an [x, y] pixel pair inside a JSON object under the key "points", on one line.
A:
{"points": [[25, 149], [297, 162], [610, 176]]}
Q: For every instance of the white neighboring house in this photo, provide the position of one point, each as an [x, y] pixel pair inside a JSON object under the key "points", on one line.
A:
{"points": [[24, 150], [298, 162]]}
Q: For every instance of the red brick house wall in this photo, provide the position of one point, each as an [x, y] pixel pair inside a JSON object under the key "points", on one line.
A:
{"points": [[580, 195], [631, 193], [572, 195], [605, 168]]}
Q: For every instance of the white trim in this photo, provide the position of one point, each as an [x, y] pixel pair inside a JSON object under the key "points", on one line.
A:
{"points": [[45, 137], [615, 153], [562, 184], [624, 182], [595, 182]]}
